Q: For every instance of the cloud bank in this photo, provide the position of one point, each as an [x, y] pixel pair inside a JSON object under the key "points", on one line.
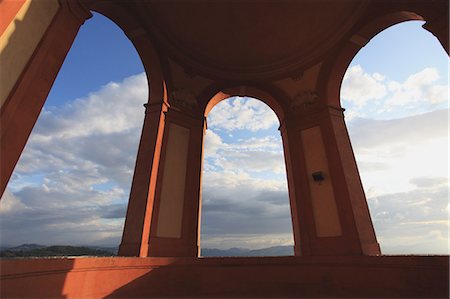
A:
{"points": [[377, 96], [72, 182]]}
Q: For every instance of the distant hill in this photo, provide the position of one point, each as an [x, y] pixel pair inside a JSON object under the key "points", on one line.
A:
{"points": [[25, 247], [35, 250], [271, 251]]}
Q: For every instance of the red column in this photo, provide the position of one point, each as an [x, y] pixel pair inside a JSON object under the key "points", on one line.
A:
{"points": [[330, 214], [175, 223], [297, 190], [23, 105], [140, 206], [140, 210], [347, 182]]}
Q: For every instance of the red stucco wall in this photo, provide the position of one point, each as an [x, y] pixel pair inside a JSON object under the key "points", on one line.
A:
{"points": [[385, 276]]}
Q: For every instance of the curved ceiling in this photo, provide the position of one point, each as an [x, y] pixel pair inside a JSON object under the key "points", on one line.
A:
{"points": [[244, 39]]}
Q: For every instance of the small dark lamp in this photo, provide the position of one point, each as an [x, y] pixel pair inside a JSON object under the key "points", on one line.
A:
{"points": [[318, 176]]}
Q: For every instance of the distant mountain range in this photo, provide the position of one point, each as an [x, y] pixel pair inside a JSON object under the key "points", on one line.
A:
{"points": [[270, 251], [36, 250]]}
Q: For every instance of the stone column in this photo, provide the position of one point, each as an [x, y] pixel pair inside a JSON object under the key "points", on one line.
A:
{"points": [[136, 231], [32, 56], [329, 209], [140, 210], [175, 223]]}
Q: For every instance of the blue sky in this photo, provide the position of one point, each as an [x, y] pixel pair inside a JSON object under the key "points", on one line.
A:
{"points": [[100, 54], [72, 182]]}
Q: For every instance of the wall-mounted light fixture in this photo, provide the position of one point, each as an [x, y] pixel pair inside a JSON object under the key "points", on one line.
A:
{"points": [[318, 176]]}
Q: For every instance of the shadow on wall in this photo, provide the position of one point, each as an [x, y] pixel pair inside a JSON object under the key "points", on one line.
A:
{"points": [[27, 278], [270, 277], [24, 89], [19, 46], [275, 277]]}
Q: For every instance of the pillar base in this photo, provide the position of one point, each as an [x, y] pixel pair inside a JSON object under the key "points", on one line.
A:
{"points": [[133, 249], [171, 247]]}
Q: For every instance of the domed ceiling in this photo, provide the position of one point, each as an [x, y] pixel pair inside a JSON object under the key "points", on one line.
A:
{"points": [[244, 39]]}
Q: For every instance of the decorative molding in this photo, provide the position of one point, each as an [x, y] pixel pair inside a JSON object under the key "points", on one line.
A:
{"points": [[297, 76], [304, 100], [155, 107], [183, 99]]}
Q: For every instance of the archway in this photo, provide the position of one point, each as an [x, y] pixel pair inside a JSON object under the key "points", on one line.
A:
{"points": [[397, 115], [79, 160], [244, 189]]}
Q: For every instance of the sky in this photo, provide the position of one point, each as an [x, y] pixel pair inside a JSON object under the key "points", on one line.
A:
{"points": [[72, 182]]}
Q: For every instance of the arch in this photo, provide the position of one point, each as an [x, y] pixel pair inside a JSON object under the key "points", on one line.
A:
{"points": [[137, 232], [156, 74], [111, 32], [25, 102], [334, 69], [405, 160], [276, 100], [271, 96], [262, 227]]}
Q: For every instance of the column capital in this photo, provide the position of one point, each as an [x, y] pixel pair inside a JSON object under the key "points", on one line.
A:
{"points": [[151, 108], [184, 118], [310, 116], [185, 101]]}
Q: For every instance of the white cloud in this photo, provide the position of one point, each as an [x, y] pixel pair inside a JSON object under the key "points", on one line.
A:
{"points": [[403, 161], [213, 143], [242, 113], [392, 152], [10, 203], [253, 161], [404, 169], [72, 182], [265, 143], [375, 96], [359, 87], [422, 79], [97, 134], [378, 77], [242, 211], [414, 222], [250, 241], [245, 198], [112, 109], [263, 154], [77, 164], [418, 89]]}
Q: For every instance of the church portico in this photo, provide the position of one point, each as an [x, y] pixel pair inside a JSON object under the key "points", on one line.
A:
{"points": [[291, 55]]}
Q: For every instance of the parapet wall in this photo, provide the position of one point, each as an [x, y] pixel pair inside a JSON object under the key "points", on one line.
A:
{"points": [[319, 277]]}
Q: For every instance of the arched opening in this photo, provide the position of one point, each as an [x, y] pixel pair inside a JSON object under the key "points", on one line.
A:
{"points": [[395, 93], [245, 203], [72, 182]]}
